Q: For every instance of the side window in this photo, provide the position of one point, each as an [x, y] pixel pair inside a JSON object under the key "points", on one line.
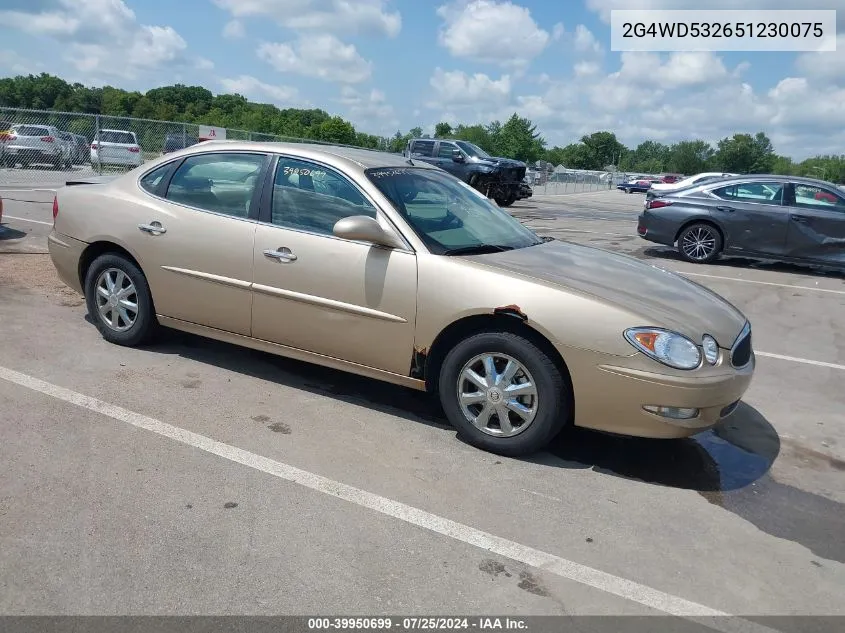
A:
{"points": [[310, 197], [759, 192], [150, 182], [446, 150], [222, 183], [811, 197], [422, 148]]}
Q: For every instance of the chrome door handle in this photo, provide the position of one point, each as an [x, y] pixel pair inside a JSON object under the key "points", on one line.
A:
{"points": [[154, 228], [283, 255]]}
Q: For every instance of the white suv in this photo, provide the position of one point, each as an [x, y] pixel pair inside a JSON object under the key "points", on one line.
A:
{"points": [[28, 144], [116, 147]]}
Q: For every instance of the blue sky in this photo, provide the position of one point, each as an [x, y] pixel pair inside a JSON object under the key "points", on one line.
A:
{"points": [[395, 64]]}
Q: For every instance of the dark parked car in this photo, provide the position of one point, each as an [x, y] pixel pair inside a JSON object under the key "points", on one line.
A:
{"points": [[497, 178], [640, 185], [175, 142], [766, 217]]}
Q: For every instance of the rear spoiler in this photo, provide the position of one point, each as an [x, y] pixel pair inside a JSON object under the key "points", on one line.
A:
{"points": [[93, 180]]}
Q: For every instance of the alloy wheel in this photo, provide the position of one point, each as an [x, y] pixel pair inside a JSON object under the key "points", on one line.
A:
{"points": [[497, 394]]}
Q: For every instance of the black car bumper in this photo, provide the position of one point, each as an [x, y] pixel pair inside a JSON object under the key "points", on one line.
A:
{"points": [[654, 229]]}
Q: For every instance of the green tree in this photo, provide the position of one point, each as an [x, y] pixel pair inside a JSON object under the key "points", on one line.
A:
{"points": [[603, 149], [518, 138], [745, 154], [689, 157], [336, 130], [443, 130]]}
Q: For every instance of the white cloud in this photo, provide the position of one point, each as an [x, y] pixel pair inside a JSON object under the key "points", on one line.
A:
{"points": [[14, 63], [824, 65], [369, 110], [323, 56], [585, 41], [367, 17], [457, 88], [128, 49], [558, 31], [260, 92], [585, 69], [234, 29], [202, 63], [493, 32]]}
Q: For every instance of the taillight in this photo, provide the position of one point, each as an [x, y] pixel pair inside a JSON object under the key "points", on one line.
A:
{"points": [[134, 150], [55, 207], [93, 146], [47, 139], [657, 204]]}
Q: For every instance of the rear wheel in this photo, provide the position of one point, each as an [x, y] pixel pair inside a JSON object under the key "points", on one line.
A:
{"points": [[119, 300], [506, 202], [503, 394], [700, 243]]}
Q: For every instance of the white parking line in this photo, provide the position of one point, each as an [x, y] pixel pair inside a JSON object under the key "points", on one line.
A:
{"points": [[12, 217], [762, 283], [603, 581], [805, 361]]}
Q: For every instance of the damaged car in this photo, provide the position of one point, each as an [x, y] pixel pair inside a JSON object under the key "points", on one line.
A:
{"points": [[498, 178], [393, 269], [786, 218]]}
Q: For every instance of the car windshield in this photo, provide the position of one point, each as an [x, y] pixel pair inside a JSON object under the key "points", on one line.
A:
{"points": [[449, 216], [31, 130], [109, 136], [473, 150]]}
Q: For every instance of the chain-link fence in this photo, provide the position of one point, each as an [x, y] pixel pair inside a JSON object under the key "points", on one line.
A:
{"points": [[42, 149]]}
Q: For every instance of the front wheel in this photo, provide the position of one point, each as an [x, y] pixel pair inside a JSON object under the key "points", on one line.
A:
{"points": [[700, 243], [506, 202], [503, 394], [119, 300]]}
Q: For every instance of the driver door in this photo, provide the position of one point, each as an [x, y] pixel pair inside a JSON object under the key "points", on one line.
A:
{"points": [[313, 291]]}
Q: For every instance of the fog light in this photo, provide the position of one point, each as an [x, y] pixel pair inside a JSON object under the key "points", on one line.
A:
{"points": [[675, 413]]}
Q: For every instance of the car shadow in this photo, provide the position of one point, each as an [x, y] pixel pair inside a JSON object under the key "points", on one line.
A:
{"points": [[373, 394], [670, 254], [735, 454], [8, 233]]}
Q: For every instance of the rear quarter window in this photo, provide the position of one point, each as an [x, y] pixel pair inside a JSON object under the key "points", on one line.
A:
{"points": [[31, 130], [422, 148]]}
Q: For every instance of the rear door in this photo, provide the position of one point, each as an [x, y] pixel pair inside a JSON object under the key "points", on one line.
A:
{"points": [[817, 224], [194, 233], [753, 216]]}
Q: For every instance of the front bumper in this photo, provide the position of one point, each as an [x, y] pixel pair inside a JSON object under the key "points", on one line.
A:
{"points": [[640, 386]]}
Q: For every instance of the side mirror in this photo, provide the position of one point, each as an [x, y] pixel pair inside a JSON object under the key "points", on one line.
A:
{"points": [[457, 156], [363, 228]]}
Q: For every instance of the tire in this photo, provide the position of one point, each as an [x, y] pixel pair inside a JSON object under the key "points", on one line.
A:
{"points": [[550, 406], [700, 243], [505, 202], [144, 324]]}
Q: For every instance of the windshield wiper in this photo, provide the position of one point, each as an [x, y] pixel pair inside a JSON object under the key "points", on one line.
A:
{"points": [[478, 249]]}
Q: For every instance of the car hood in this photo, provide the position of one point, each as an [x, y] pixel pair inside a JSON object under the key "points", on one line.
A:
{"points": [[500, 162], [660, 298]]}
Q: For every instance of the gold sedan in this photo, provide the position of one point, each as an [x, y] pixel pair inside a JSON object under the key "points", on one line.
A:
{"points": [[393, 269]]}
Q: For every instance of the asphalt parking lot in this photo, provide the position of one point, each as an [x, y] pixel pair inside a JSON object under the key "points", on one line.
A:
{"points": [[195, 477]]}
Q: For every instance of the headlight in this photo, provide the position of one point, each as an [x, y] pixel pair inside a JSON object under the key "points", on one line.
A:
{"points": [[711, 349], [669, 348]]}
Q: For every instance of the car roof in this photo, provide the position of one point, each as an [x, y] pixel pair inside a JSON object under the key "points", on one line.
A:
{"points": [[363, 158], [772, 177]]}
